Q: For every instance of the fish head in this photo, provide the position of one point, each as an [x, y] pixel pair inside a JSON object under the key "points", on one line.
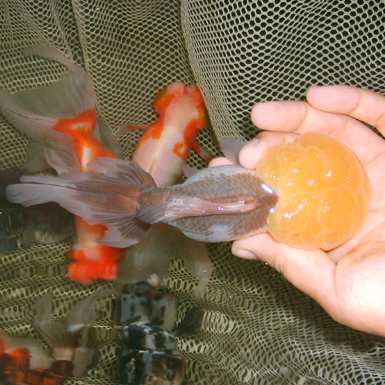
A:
{"points": [[202, 120], [143, 301], [167, 95]]}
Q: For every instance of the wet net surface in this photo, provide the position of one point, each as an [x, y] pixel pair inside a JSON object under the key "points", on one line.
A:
{"points": [[257, 328]]}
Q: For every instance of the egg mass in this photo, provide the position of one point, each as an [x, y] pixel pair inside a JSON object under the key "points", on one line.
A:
{"points": [[324, 191]]}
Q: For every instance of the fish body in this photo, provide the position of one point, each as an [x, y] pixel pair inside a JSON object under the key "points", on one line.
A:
{"points": [[74, 348], [62, 120], [215, 205], [81, 130], [146, 325], [165, 145]]}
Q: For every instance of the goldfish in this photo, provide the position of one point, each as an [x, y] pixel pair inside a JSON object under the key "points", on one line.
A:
{"points": [[145, 320], [61, 119], [222, 203], [164, 147], [159, 152], [72, 340], [127, 200], [24, 226]]}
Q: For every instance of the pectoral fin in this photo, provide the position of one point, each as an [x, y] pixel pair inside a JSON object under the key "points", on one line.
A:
{"points": [[231, 147]]}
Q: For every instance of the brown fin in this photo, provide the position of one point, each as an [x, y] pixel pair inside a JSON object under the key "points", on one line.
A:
{"points": [[110, 199], [231, 147]]}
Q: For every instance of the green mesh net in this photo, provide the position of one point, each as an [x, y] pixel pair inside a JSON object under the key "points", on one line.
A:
{"points": [[257, 328]]}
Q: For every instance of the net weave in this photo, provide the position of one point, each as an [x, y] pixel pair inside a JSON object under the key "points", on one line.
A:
{"points": [[257, 328]]}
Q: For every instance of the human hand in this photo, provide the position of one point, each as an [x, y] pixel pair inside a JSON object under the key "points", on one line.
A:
{"points": [[349, 281]]}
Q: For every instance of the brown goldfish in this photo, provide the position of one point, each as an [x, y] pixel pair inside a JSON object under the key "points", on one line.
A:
{"points": [[216, 204]]}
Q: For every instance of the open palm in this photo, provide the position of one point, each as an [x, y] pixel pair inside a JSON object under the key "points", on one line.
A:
{"points": [[349, 281]]}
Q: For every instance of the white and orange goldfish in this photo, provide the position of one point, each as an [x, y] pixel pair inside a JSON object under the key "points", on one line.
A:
{"points": [[162, 151], [73, 343], [165, 145], [62, 120]]}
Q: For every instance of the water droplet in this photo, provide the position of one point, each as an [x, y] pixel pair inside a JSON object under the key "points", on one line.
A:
{"points": [[360, 257]]}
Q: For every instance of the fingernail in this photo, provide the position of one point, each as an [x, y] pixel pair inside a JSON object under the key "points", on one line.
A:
{"points": [[245, 254]]}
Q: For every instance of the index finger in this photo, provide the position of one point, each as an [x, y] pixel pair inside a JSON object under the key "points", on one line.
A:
{"points": [[300, 117], [361, 104]]}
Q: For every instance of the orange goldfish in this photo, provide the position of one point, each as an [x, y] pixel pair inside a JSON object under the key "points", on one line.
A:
{"points": [[74, 348], [165, 145], [62, 119]]}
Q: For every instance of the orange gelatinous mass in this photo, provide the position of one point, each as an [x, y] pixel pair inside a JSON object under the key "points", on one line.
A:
{"points": [[323, 190]]}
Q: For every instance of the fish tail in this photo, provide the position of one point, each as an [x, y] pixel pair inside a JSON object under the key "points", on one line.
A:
{"points": [[35, 112], [26, 120], [55, 149], [153, 256], [71, 338], [70, 96], [110, 199]]}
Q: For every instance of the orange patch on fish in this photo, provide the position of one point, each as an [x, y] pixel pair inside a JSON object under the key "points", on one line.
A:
{"points": [[85, 122], [166, 143], [18, 358], [323, 189], [167, 95], [92, 260], [81, 130], [154, 131]]}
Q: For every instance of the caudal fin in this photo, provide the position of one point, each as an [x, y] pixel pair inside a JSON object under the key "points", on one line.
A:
{"points": [[71, 338], [110, 199], [34, 112], [68, 98], [154, 254], [21, 353]]}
